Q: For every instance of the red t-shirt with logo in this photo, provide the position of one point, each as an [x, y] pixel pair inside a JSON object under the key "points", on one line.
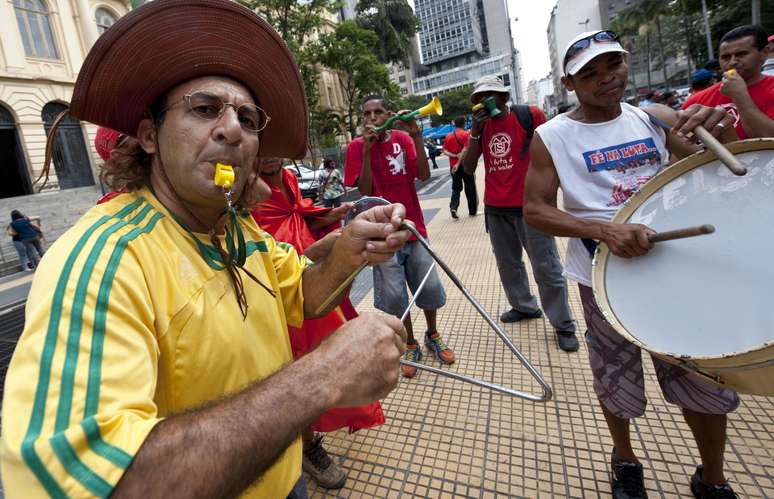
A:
{"points": [[455, 142], [502, 141], [762, 94], [393, 170]]}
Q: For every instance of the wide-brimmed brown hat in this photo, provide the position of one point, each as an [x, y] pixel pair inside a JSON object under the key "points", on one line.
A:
{"points": [[167, 42]]}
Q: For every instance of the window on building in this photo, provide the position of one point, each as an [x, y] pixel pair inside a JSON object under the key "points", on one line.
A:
{"points": [[35, 28], [105, 19]]}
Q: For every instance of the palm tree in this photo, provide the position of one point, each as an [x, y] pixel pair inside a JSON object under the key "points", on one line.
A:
{"points": [[642, 17], [394, 22]]}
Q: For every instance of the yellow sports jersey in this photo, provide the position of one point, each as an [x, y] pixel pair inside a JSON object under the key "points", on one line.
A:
{"points": [[127, 324]]}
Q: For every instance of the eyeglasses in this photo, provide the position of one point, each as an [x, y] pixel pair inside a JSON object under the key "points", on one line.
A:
{"points": [[209, 106], [584, 43]]}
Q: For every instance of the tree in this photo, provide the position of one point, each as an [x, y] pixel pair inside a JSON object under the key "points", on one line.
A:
{"points": [[394, 22], [455, 103], [682, 28], [296, 21], [348, 50]]}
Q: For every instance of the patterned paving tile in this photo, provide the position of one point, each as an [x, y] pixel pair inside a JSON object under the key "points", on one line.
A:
{"points": [[445, 439]]}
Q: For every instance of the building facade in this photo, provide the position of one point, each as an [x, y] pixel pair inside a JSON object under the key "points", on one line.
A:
{"points": [[462, 40], [540, 93], [645, 73], [42, 46], [568, 18]]}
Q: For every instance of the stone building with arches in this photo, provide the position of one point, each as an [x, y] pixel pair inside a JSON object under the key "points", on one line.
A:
{"points": [[43, 44]]}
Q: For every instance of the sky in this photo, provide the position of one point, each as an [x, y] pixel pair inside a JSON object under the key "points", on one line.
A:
{"points": [[529, 34]]}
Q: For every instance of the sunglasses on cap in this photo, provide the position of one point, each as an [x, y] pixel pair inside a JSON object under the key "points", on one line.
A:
{"points": [[209, 107], [606, 36]]}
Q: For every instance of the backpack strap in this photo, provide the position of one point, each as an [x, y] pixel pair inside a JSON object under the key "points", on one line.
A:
{"points": [[524, 115]]}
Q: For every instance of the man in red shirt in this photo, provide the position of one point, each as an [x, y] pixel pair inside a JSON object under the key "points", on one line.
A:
{"points": [[312, 231], [745, 93], [453, 145], [504, 144], [385, 164]]}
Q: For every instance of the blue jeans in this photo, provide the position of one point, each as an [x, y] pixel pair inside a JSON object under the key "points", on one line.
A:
{"points": [[299, 490], [21, 249], [34, 250], [408, 266]]}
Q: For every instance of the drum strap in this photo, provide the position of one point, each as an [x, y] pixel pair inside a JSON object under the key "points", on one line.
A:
{"points": [[591, 246]]}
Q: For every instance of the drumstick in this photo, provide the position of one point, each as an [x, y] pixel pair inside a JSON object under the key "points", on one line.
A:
{"points": [[723, 154], [713, 144], [669, 235]]}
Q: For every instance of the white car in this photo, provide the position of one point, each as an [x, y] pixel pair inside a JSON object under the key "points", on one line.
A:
{"points": [[308, 179]]}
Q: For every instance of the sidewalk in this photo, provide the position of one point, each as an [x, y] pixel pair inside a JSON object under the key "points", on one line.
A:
{"points": [[447, 439], [14, 288]]}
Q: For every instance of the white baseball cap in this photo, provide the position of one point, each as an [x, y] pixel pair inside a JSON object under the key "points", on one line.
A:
{"points": [[599, 42]]}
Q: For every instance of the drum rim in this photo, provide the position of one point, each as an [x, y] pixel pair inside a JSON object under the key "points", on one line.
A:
{"points": [[602, 254]]}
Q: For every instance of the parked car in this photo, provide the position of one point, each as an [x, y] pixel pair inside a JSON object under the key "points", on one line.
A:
{"points": [[308, 178]]}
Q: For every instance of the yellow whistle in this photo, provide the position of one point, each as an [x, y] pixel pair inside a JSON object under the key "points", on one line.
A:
{"points": [[477, 107], [731, 72], [224, 175]]}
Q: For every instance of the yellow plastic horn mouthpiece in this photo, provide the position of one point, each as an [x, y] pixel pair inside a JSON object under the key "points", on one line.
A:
{"points": [[731, 72], [224, 175]]}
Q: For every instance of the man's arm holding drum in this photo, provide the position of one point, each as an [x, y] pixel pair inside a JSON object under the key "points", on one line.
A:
{"points": [[681, 141], [541, 212]]}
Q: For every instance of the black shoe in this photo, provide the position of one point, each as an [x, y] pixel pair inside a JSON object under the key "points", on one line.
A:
{"points": [[514, 315], [627, 481], [703, 490], [454, 214], [567, 341]]}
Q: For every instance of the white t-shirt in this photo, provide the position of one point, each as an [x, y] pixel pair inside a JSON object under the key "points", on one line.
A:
{"points": [[600, 166]]}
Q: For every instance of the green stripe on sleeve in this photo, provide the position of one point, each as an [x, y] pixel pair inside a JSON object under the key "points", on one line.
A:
{"points": [[29, 454], [64, 451], [76, 319]]}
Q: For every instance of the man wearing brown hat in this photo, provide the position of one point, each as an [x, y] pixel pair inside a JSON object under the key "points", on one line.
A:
{"points": [[503, 140], [155, 360]]}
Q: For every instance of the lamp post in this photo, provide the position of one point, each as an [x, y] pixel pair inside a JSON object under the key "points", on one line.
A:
{"points": [[585, 24]]}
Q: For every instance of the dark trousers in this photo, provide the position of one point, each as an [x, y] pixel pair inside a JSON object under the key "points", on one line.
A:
{"points": [[332, 203], [460, 178]]}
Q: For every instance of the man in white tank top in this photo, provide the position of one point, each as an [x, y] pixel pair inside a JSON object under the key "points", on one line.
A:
{"points": [[600, 154]]}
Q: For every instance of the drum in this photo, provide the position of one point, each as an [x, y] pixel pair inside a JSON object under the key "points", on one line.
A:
{"points": [[705, 303]]}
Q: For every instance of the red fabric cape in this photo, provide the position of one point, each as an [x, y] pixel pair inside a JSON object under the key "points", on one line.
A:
{"points": [[286, 220]]}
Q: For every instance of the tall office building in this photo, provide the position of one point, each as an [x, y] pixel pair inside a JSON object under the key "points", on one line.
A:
{"points": [[463, 40], [568, 18]]}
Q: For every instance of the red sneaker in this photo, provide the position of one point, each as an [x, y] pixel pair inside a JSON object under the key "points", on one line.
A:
{"points": [[435, 343], [414, 354]]}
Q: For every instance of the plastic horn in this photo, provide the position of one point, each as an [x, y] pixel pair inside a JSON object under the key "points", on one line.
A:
{"points": [[432, 107]]}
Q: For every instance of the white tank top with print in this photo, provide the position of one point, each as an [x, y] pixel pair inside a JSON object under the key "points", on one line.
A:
{"points": [[600, 166]]}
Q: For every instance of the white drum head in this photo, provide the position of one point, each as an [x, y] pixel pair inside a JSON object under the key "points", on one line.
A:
{"points": [[706, 296]]}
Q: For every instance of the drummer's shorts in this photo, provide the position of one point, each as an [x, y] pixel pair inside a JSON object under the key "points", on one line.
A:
{"points": [[618, 379], [407, 267]]}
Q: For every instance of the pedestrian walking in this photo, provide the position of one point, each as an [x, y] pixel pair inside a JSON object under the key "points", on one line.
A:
{"points": [[331, 188], [453, 146], [30, 235]]}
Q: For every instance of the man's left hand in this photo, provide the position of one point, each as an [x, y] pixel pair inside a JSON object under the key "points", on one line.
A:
{"points": [[714, 119], [410, 127], [373, 235], [733, 85]]}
